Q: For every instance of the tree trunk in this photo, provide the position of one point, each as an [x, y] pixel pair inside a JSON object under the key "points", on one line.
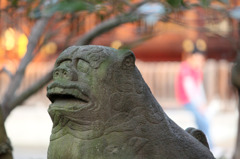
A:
{"points": [[236, 83], [237, 149], [5, 145]]}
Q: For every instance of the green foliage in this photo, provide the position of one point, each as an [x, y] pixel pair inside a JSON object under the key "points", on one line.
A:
{"points": [[69, 6], [175, 3], [180, 4], [14, 3], [205, 3]]}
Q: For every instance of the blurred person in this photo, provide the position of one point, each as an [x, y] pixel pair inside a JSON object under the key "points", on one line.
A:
{"points": [[189, 86]]}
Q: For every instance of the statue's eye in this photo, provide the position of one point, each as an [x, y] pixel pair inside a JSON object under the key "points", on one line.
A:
{"points": [[65, 62], [82, 66]]}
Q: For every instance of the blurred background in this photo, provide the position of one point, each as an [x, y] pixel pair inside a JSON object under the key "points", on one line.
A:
{"points": [[34, 33]]}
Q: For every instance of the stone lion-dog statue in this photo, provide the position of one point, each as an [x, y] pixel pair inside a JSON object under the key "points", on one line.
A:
{"points": [[102, 109]]}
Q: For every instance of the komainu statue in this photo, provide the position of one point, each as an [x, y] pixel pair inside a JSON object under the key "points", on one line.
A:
{"points": [[102, 109]]}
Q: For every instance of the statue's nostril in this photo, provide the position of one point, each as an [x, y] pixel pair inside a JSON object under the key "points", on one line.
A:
{"points": [[62, 73], [56, 73]]}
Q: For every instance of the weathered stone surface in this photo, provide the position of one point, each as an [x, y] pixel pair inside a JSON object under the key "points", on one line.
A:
{"points": [[102, 109]]}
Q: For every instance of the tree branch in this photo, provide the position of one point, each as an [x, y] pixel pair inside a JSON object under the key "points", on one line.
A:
{"points": [[18, 76], [30, 91], [109, 24], [4, 69], [104, 27]]}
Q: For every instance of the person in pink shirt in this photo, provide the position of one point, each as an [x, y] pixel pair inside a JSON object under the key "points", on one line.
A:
{"points": [[189, 88]]}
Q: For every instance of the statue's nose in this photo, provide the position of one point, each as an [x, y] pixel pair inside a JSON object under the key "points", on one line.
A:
{"points": [[64, 73]]}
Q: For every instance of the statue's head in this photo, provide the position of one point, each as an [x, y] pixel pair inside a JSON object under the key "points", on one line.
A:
{"points": [[89, 82]]}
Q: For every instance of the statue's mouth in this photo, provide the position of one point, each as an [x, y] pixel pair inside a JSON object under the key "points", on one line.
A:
{"points": [[60, 94]]}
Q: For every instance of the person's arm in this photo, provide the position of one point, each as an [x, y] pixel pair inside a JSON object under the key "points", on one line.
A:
{"points": [[195, 93], [189, 87], [202, 95]]}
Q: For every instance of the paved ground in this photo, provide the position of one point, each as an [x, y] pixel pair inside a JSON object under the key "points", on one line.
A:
{"points": [[29, 128]]}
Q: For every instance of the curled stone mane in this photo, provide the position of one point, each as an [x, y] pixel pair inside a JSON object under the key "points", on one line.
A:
{"points": [[102, 109]]}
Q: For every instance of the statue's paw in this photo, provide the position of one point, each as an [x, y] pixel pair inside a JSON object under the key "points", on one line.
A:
{"points": [[199, 135]]}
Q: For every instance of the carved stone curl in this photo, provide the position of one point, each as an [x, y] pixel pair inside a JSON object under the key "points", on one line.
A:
{"points": [[102, 109]]}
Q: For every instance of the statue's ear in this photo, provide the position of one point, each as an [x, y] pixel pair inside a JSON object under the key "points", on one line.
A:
{"points": [[128, 59]]}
